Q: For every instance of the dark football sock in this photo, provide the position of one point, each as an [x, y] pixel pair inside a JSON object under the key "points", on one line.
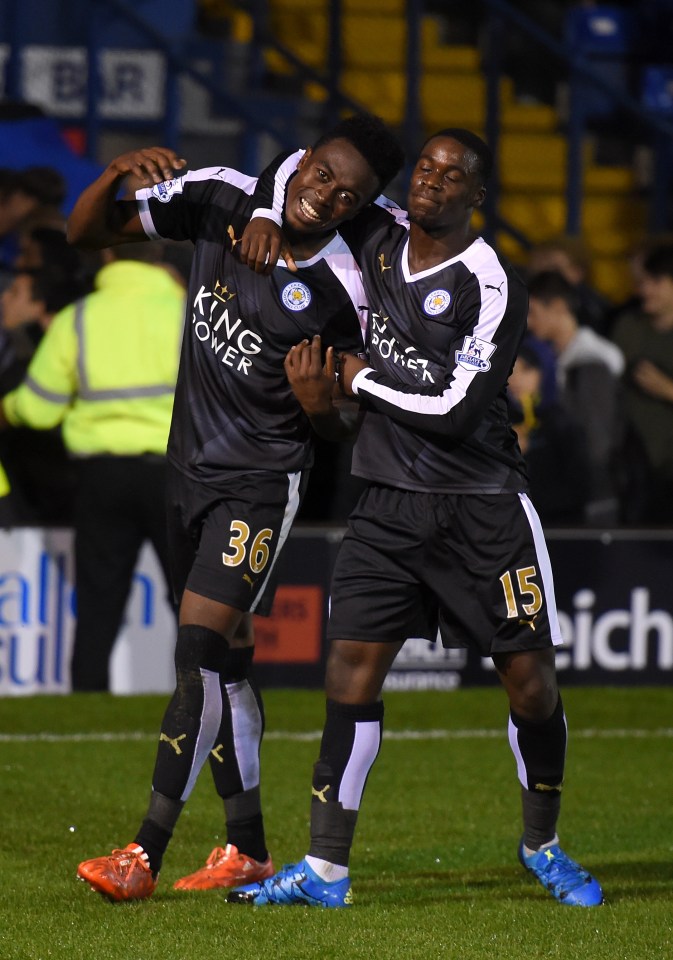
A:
{"points": [[156, 829], [154, 840], [188, 730], [350, 744], [540, 750], [234, 759], [540, 815]]}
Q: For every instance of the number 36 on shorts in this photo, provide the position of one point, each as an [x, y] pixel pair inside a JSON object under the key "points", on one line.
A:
{"points": [[257, 552]]}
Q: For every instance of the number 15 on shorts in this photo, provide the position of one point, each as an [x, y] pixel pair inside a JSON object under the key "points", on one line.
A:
{"points": [[522, 595]]}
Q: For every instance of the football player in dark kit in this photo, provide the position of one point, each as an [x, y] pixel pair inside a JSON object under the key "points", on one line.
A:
{"points": [[445, 533], [239, 453]]}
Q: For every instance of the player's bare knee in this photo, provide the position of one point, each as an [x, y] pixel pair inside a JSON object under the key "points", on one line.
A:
{"points": [[536, 701], [356, 671]]}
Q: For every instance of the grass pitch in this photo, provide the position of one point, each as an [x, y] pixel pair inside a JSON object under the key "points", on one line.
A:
{"points": [[434, 865]]}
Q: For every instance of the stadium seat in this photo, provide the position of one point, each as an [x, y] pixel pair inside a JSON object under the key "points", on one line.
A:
{"points": [[601, 31], [657, 89], [607, 37]]}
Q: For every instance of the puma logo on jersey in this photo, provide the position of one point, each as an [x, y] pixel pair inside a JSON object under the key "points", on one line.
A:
{"points": [[382, 257], [216, 752], [222, 292], [174, 741], [320, 794], [490, 286], [248, 579], [232, 236]]}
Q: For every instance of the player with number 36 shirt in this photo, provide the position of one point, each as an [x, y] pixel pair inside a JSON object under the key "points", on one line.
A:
{"points": [[240, 448]]}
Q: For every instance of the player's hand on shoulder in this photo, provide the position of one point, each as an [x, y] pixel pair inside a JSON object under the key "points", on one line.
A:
{"points": [[148, 165], [262, 244]]}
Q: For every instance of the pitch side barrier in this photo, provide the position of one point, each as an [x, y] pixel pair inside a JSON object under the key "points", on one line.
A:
{"points": [[613, 592]]}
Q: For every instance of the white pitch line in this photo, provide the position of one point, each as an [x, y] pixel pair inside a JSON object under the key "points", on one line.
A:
{"points": [[312, 735]]}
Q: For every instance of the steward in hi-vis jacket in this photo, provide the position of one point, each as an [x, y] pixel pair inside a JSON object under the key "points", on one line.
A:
{"points": [[106, 370]]}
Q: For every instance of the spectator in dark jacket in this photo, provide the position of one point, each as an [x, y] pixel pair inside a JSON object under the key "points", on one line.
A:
{"points": [[552, 442], [589, 368]]}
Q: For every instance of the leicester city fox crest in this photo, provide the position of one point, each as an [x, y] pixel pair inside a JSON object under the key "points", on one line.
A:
{"points": [[474, 355], [436, 302], [296, 296]]}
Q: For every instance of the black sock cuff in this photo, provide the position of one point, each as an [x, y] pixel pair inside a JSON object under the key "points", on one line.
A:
{"points": [[237, 664], [198, 647], [355, 711]]}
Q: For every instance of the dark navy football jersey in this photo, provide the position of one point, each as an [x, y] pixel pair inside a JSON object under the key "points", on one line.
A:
{"points": [[442, 344], [234, 408]]}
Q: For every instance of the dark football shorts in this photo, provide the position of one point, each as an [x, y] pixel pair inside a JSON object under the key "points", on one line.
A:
{"points": [[474, 565], [225, 537]]}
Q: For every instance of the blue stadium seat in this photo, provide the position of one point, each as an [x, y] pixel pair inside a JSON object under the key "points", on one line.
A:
{"points": [[602, 31], [657, 89], [607, 38], [66, 23]]}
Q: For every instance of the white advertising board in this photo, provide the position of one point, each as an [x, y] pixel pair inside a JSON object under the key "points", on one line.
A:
{"points": [[37, 619]]}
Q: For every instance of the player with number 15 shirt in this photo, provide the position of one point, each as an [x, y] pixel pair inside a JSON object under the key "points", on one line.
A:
{"points": [[444, 530]]}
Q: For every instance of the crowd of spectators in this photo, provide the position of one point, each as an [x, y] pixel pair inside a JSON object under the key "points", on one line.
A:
{"points": [[607, 382], [40, 274]]}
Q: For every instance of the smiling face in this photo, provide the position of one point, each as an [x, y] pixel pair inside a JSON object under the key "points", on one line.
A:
{"points": [[445, 186], [332, 184]]}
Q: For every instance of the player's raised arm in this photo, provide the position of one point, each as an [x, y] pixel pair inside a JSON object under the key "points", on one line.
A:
{"points": [[263, 241], [99, 219]]}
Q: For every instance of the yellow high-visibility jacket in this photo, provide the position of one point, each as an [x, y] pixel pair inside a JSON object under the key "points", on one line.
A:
{"points": [[4, 482], [107, 365]]}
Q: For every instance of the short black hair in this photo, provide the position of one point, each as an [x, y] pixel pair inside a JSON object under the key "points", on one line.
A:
{"points": [[58, 288], [481, 150], [551, 285], [54, 247], [372, 138], [659, 261], [530, 356], [46, 184]]}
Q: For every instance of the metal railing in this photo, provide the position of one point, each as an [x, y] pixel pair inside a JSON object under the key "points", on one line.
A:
{"points": [[252, 109], [499, 16]]}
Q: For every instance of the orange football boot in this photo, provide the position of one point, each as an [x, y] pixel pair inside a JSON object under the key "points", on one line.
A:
{"points": [[226, 868], [123, 875]]}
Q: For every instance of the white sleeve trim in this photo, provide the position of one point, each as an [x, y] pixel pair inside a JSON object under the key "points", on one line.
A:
{"points": [[283, 173], [359, 377], [146, 218], [265, 212]]}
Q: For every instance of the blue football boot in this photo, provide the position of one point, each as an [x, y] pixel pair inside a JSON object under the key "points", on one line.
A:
{"points": [[562, 877], [295, 884]]}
